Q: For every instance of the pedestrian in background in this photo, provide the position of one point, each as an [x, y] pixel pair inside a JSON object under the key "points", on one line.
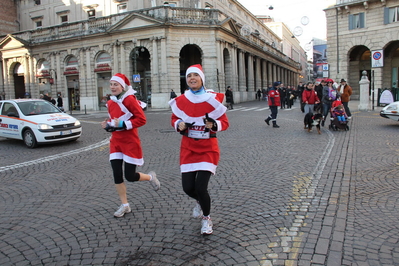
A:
{"points": [[60, 103], [346, 91], [330, 94], [229, 97], [172, 94], [274, 103], [46, 97], [283, 95], [198, 115], [125, 117], [259, 94], [319, 90], [309, 98]]}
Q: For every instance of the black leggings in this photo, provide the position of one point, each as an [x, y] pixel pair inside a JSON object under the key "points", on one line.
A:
{"points": [[195, 185], [130, 171]]}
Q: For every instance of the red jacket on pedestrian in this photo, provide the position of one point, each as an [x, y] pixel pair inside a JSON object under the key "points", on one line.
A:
{"points": [[310, 96], [274, 97]]}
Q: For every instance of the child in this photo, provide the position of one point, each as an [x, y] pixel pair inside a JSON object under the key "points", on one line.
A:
{"points": [[339, 113]]}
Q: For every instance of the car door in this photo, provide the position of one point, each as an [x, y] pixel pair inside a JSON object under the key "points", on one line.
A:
{"points": [[9, 126]]}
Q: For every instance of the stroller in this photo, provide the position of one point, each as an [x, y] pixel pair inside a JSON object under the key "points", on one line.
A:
{"points": [[339, 119]]}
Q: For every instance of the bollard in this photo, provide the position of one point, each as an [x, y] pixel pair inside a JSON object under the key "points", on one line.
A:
{"points": [[85, 110]]}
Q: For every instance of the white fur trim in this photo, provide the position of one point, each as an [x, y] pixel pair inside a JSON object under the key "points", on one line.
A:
{"points": [[128, 124], [120, 81], [192, 167], [196, 70], [210, 98], [128, 159]]}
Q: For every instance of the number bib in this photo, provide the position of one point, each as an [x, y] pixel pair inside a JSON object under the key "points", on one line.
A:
{"points": [[196, 134]]}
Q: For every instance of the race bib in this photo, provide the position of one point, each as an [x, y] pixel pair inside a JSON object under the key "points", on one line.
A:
{"points": [[196, 134]]}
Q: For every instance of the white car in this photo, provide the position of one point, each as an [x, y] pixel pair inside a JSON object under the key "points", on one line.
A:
{"points": [[36, 121], [391, 111]]}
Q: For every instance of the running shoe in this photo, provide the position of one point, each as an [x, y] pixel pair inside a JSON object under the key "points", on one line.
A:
{"points": [[122, 210], [206, 228], [197, 211], [154, 180]]}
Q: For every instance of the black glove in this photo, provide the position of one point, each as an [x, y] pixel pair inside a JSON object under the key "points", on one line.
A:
{"points": [[109, 128], [188, 125], [208, 119]]}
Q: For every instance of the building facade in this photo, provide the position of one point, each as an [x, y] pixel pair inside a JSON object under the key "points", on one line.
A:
{"points": [[364, 35], [74, 49]]}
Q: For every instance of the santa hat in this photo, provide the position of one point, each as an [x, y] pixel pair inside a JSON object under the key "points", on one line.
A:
{"points": [[196, 69], [122, 79]]}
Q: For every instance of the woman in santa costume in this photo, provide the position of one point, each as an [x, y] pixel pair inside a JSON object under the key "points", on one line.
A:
{"points": [[125, 117], [198, 115]]}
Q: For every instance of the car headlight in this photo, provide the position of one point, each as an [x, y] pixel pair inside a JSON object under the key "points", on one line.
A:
{"points": [[77, 123], [44, 126]]}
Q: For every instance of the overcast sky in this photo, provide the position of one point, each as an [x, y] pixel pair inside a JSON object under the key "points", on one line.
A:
{"points": [[291, 11]]}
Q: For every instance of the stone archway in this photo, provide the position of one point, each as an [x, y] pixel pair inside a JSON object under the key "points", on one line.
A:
{"points": [[19, 81], [359, 60], [391, 65], [141, 65], [189, 55], [228, 69]]}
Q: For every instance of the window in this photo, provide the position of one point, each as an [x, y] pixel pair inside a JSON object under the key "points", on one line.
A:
{"points": [[356, 21], [91, 13], [64, 18], [39, 24], [37, 2], [122, 8], [391, 15]]}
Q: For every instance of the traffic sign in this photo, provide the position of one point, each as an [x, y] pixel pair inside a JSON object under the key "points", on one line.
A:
{"points": [[136, 78]]}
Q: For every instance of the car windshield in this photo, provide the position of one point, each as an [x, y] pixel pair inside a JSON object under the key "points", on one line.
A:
{"points": [[37, 108]]}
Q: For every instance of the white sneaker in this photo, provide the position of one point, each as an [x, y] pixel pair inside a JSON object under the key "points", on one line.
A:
{"points": [[122, 210], [197, 211], [206, 228], [349, 118], [154, 180]]}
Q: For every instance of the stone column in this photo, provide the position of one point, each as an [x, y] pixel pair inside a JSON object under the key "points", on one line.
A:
{"points": [[124, 58], [364, 92], [116, 59], [275, 77], [27, 74], [154, 67], [241, 76], [258, 81], [264, 74], [164, 62], [250, 73], [269, 73]]}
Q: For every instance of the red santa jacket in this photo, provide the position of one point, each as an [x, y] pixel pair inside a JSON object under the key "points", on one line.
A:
{"points": [[125, 144], [199, 154]]}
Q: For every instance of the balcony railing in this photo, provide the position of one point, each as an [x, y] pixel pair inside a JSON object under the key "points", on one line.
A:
{"points": [[171, 15], [349, 2]]}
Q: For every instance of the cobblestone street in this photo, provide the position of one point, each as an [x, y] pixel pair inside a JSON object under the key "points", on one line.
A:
{"points": [[280, 196]]}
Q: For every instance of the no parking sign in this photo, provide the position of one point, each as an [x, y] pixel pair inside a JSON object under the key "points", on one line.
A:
{"points": [[377, 58]]}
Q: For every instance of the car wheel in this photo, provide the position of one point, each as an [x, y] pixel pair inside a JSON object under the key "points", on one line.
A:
{"points": [[30, 139]]}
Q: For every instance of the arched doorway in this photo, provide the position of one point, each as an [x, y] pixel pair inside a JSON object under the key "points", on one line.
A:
{"points": [[391, 64], [19, 81], [228, 71], [141, 65], [359, 60], [189, 55]]}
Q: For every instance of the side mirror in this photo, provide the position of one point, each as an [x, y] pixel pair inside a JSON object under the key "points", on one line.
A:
{"points": [[12, 114]]}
